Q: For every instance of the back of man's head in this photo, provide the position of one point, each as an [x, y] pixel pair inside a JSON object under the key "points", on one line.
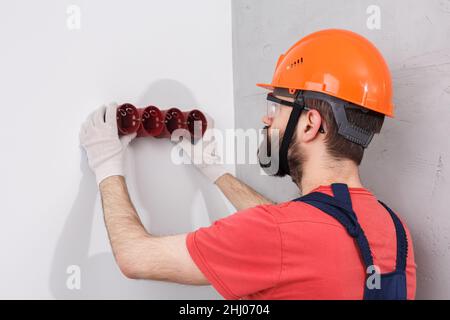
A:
{"points": [[337, 146]]}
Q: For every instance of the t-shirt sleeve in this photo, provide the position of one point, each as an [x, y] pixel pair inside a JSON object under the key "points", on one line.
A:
{"points": [[239, 254]]}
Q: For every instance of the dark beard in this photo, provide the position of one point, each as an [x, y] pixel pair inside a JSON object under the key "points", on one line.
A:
{"points": [[269, 156], [296, 159]]}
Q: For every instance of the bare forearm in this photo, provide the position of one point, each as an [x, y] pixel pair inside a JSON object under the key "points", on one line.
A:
{"points": [[124, 227], [140, 255], [240, 195]]}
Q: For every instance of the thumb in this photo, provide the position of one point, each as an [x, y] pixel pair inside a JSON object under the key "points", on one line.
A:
{"points": [[127, 138]]}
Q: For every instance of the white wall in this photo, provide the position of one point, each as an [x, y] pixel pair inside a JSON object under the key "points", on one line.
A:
{"points": [[168, 53]]}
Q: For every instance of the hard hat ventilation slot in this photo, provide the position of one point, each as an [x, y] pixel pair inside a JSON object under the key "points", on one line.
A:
{"points": [[295, 63]]}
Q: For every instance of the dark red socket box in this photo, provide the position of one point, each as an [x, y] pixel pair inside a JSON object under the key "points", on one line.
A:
{"points": [[152, 122], [128, 119], [174, 119], [196, 123]]}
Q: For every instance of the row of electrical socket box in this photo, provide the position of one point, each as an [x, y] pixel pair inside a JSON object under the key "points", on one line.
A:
{"points": [[154, 122]]}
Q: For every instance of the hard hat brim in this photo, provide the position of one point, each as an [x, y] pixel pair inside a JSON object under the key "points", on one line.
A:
{"points": [[266, 86]]}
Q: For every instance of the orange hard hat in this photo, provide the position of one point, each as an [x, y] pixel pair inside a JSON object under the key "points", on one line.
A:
{"points": [[339, 63]]}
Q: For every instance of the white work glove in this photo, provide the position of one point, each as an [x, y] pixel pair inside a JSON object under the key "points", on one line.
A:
{"points": [[204, 153], [104, 148]]}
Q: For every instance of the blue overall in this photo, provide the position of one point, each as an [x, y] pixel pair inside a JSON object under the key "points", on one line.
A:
{"points": [[392, 286]]}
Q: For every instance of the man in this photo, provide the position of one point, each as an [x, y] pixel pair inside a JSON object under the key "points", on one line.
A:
{"points": [[329, 95]]}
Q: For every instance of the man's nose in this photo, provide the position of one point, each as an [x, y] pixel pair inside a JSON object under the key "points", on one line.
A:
{"points": [[267, 120]]}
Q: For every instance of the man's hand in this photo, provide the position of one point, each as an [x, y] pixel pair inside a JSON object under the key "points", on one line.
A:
{"points": [[139, 255], [206, 158], [100, 139], [204, 154]]}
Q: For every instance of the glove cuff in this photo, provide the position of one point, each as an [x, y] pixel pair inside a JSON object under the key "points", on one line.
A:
{"points": [[108, 169], [214, 172]]}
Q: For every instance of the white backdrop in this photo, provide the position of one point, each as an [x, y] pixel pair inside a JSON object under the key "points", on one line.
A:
{"points": [[52, 75]]}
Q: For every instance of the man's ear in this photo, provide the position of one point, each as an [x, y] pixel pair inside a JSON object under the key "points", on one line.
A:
{"points": [[310, 125]]}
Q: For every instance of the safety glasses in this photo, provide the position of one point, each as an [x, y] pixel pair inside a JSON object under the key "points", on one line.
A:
{"points": [[274, 106]]}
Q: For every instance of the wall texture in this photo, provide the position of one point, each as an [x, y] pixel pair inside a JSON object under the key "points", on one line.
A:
{"points": [[53, 74], [408, 165], [52, 77]]}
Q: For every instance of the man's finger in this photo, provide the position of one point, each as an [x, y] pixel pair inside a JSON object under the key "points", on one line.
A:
{"points": [[127, 138], [83, 129], [111, 115], [99, 116]]}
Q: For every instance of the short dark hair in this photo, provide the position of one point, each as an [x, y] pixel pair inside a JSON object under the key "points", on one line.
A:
{"points": [[337, 146]]}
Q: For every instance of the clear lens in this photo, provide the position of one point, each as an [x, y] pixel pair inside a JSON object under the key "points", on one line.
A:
{"points": [[273, 109]]}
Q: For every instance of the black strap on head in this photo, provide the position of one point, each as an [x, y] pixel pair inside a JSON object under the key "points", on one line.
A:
{"points": [[299, 104], [346, 129]]}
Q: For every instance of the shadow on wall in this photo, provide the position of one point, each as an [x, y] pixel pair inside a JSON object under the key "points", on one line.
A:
{"points": [[164, 199]]}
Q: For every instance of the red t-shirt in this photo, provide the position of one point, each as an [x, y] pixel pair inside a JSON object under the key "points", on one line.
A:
{"points": [[295, 251]]}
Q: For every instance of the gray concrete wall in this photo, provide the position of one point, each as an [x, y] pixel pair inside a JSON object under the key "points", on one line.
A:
{"points": [[408, 164]]}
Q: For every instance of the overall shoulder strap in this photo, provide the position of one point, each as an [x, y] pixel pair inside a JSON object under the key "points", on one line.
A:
{"points": [[340, 208], [402, 240]]}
